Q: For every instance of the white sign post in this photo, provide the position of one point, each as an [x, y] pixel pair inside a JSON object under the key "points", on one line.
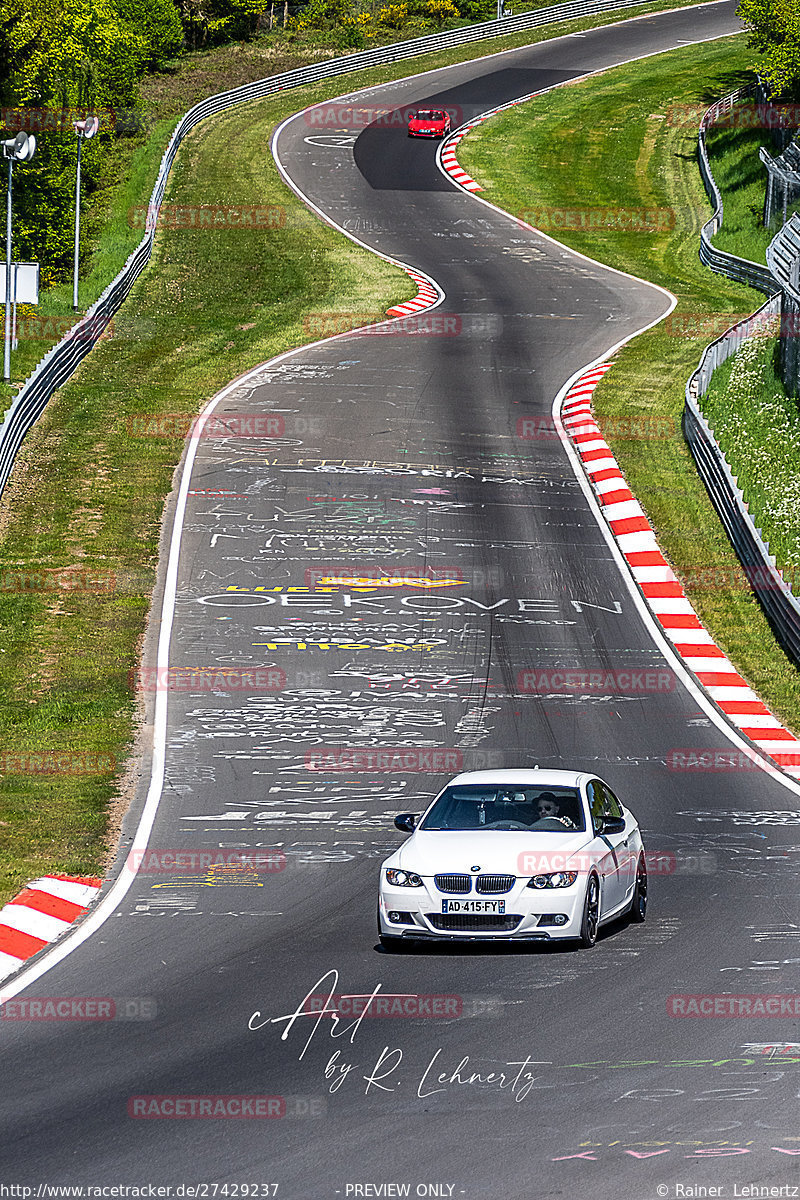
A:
{"points": [[19, 149], [24, 290]]}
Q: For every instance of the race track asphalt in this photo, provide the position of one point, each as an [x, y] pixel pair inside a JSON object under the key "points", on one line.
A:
{"points": [[402, 453]]}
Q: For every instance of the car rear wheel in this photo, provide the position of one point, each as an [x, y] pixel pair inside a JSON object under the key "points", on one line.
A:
{"points": [[591, 913], [638, 910]]}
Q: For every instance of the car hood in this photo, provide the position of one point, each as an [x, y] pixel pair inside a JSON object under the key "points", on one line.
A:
{"points": [[500, 852]]}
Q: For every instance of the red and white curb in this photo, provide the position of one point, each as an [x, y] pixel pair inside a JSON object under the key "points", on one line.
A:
{"points": [[39, 914], [426, 296], [661, 588], [450, 162], [447, 154]]}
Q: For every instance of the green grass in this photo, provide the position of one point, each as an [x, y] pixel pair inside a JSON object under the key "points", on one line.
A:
{"points": [[609, 138], [86, 495]]}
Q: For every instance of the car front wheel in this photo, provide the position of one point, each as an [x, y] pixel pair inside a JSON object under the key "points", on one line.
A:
{"points": [[591, 913]]}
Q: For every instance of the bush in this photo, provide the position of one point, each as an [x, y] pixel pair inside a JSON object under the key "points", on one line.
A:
{"points": [[479, 10], [441, 11], [321, 14], [393, 15]]}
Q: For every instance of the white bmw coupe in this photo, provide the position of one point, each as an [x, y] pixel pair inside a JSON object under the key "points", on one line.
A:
{"points": [[514, 856]]}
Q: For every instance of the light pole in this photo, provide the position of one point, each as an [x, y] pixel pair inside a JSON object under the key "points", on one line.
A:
{"points": [[84, 129], [18, 149]]}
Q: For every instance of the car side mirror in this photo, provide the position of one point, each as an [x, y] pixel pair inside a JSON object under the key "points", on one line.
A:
{"points": [[614, 825], [406, 822]]}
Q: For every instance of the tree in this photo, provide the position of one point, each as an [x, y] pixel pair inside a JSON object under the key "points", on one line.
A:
{"points": [[212, 21], [159, 23], [63, 58], [775, 33]]}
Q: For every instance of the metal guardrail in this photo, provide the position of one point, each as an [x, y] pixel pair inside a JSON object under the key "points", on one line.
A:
{"points": [[62, 359], [780, 605], [731, 342], [783, 257], [740, 269], [775, 595], [783, 182]]}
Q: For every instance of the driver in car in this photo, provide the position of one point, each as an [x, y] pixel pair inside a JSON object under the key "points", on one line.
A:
{"points": [[549, 807]]}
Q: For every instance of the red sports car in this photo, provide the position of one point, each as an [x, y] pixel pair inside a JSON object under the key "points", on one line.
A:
{"points": [[429, 122]]}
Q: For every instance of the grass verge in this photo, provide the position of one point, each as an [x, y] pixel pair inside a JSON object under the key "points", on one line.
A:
{"points": [[623, 152]]}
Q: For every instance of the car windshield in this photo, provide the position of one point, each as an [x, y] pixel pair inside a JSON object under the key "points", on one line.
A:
{"points": [[426, 115], [534, 808]]}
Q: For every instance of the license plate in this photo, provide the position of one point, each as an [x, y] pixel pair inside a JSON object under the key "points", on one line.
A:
{"points": [[473, 906]]}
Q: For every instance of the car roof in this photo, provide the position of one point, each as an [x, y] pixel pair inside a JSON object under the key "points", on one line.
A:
{"points": [[554, 778]]}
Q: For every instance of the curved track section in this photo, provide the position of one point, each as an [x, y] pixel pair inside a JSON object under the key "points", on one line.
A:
{"points": [[304, 601]]}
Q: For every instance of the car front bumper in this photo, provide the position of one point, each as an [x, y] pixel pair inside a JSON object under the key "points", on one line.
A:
{"points": [[529, 905]]}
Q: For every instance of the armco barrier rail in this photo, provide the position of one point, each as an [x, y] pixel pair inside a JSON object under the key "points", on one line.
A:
{"points": [[774, 593], [740, 269], [783, 257], [61, 361]]}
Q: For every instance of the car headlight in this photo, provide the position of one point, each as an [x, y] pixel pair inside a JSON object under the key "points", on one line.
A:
{"points": [[559, 879], [403, 878]]}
